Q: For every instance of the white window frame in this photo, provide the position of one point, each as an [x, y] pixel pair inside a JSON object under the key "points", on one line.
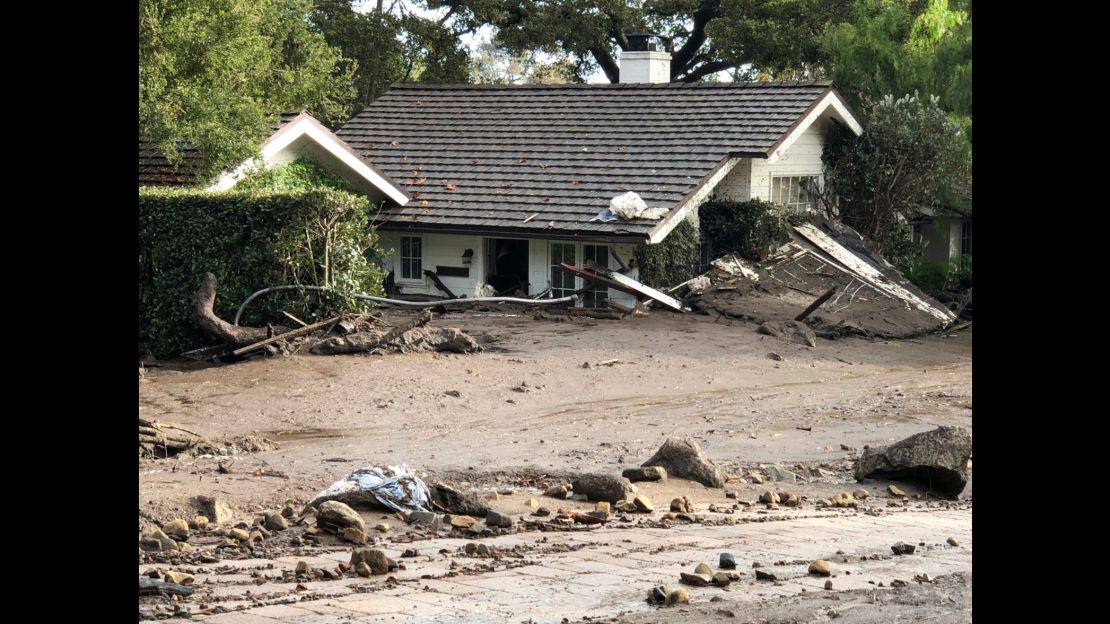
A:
{"points": [[419, 279], [797, 206], [580, 260]]}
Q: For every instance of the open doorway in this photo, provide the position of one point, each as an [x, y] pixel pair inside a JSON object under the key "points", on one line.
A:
{"points": [[507, 265]]}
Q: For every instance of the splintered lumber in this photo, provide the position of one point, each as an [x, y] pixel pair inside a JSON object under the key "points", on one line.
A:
{"points": [[816, 304], [439, 284], [153, 435], [367, 341], [628, 285], [205, 318], [303, 331]]}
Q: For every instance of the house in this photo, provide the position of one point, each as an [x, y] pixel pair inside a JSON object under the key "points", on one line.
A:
{"points": [[507, 181], [496, 185]]}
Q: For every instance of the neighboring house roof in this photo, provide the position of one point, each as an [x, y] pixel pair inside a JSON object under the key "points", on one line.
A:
{"points": [[488, 157], [294, 136]]}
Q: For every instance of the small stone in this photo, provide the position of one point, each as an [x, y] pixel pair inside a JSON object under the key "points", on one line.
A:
{"points": [[602, 506], [375, 559], [483, 550], [533, 503], [697, 580], [497, 519], [727, 562], [275, 522], [302, 568], [353, 535], [362, 569], [421, 517], [177, 528], [703, 568], [643, 504], [923, 578], [506, 491], [627, 507], [860, 494], [645, 473], [844, 499], [898, 583], [755, 477], [658, 593], [288, 511], [409, 553], [491, 496], [721, 579], [778, 473], [790, 500], [895, 490], [902, 548], [199, 523], [682, 505], [463, 522], [756, 564], [760, 575], [600, 514], [178, 577], [381, 528], [820, 567], [334, 515], [165, 542], [828, 584], [471, 548], [769, 497], [678, 596], [542, 512], [217, 510], [238, 534], [603, 487], [453, 393], [557, 491], [952, 542]]}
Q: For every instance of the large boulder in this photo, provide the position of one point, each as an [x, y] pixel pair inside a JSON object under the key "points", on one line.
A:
{"points": [[603, 487], [335, 516], [937, 459], [681, 457], [457, 502]]}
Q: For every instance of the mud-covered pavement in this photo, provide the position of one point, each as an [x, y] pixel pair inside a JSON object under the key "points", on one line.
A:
{"points": [[529, 412]]}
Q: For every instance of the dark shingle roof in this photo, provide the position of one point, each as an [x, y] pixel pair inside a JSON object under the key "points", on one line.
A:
{"points": [[563, 151], [155, 170]]}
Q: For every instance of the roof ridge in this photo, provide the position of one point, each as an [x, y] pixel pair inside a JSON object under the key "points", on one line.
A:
{"points": [[623, 85]]}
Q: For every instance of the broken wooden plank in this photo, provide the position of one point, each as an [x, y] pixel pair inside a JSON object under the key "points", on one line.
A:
{"points": [[816, 304], [304, 331], [439, 284], [626, 284]]}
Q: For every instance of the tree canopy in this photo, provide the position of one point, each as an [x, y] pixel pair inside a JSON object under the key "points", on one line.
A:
{"points": [[213, 74]]}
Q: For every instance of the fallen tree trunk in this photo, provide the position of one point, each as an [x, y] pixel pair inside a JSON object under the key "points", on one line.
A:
{"points": [[155, 439], [205, 318], [367, 341]]}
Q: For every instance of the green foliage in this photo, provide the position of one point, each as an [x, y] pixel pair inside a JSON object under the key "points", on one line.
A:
{"points": [[671, 261], [748, 229], [936, 277], [382, 49], [213, 74], [299, 175], [911, 157], [249, 240]]}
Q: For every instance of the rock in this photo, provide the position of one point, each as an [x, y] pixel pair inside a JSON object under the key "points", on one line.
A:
{"points": [[898, 583], [178, 577], [599, 514], [302, 568], [820, 567], [217, 510], [678, 596], [424, 518], [458, 502], [491, 496], [755, 477], [896, 491], [409, 553], [334, 516], [462, 522], [288, 511], [682, 505], [938, 459], [769, 497], [643, 504], [557, 491], [177, 529], [760, 575], [542, 512], [727, 562], [381, 528], [844, 499], [645, 473], [860, 494], [775, 356], [828, 584], [790, 331], [697, 580], [199, 523], [902, 548], [238, 534], [363, 569], [353, 535], [533, 503], [373, 558], [603, 506], [703, 568], [721, 579], [682, 458], [499, 520], [603, 487], [778, 473], [658, 593], [952, 542], [790, 500], [923, 578], [275, 522]]}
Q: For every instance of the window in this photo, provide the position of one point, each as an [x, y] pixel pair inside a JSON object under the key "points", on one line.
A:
{"points": [[595, 255], [790, 191], [562, 281], [412, 258]]}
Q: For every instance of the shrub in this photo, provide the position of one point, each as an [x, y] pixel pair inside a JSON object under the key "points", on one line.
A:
{"points": [[249, 240], [671, 261], [748, 229]]}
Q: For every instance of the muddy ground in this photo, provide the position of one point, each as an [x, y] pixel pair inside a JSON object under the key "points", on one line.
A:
{"points": [[538, 404]]}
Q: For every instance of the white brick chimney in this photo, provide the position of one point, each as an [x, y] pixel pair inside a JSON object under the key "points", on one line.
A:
{"points": [[647, 59]]}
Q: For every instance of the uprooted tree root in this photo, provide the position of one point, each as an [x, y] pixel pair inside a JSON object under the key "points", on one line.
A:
{"points": [[162, 440]]}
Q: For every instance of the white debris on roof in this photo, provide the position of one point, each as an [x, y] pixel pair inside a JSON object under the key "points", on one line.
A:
{"points": [[631, 206]]}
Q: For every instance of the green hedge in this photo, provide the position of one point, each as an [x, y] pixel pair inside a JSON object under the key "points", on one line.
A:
{"points": [[748, 229], [671, 261], [249, 240]]}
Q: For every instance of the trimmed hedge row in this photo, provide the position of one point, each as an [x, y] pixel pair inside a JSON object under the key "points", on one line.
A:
{"points": [[249, 240]]}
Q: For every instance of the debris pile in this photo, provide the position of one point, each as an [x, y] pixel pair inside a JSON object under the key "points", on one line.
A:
{"points": [[828, 276], [628, 206]]}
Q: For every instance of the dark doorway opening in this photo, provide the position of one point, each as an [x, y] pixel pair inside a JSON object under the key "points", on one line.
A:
{"points": [[507, 265]]}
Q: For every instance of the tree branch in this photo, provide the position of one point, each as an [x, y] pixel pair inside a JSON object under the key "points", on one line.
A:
{"points": [[706, 69], [608, 65], [680, 62]]}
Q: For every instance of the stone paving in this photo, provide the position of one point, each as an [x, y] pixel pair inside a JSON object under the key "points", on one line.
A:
{"points": [[604, 572]]}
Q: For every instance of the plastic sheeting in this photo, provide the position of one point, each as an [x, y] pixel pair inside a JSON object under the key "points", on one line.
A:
{"points": [[394, 488]]}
